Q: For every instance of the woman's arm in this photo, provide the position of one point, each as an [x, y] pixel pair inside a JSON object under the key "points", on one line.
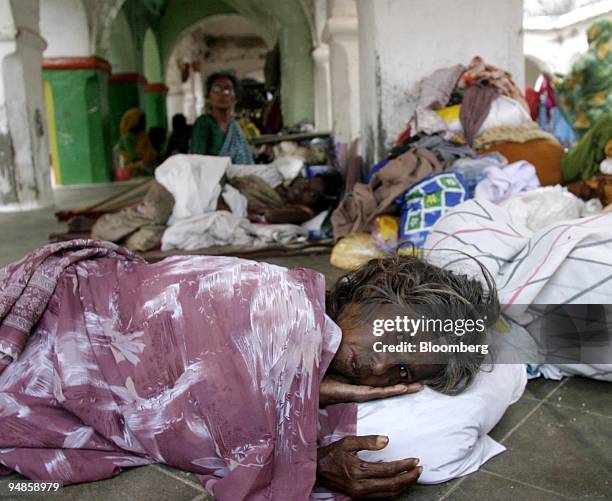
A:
{"points": [[335, 391], [292, 214], [340, 469]]}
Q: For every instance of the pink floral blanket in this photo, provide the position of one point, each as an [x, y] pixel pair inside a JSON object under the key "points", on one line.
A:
{"points": [[208, 364]]}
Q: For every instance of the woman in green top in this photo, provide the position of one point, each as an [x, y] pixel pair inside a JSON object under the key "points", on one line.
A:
{"points": [[216, 132]]}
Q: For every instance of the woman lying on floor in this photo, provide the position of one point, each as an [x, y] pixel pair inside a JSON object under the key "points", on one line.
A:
{"points": [[141, 227], [219, 366]]}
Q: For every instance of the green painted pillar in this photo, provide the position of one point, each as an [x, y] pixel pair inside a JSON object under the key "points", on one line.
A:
{"points": [[79, 123], [155, 105], [125, 91]]}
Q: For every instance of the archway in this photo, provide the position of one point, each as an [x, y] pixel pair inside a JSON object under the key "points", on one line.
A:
{"points": [[122, 50], [286, 22], [221, 42]]}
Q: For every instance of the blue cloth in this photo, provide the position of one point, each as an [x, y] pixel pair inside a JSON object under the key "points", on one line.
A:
{"points": [[376, 168], [236, 146], [426, 201], [561, 129]]}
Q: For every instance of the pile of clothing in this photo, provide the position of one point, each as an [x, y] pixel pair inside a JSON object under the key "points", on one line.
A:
{"points": [[482, 107], [471, 137], [181, 209]]}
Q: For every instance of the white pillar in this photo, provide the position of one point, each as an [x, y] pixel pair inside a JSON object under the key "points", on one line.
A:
{"points": [[24, 143], [323, 111], [189, 98], [198, 90], [341, 34], [402, 42]]}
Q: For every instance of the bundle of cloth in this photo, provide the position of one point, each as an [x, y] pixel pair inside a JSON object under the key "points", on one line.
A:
{"points": [[535, 270], [481, 106], [181, 209]]}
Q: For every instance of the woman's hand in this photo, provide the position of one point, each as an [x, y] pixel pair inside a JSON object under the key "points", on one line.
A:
{"points": [[334, 391], [341, 470]]}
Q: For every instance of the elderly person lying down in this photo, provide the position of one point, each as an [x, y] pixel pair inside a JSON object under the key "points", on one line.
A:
{"points": [[219, 366]]}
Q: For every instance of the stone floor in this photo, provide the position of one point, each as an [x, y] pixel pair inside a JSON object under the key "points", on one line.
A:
{"points": [[558, 435]]}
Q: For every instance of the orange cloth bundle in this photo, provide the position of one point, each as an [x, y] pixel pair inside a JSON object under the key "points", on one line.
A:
{"points": [[544, 154]]}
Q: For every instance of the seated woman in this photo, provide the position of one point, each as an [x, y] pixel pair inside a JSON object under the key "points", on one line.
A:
{"points": [[216, 132], [135, 146], [213, 365]]}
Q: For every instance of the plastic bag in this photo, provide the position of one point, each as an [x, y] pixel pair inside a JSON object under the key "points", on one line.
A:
{"points": [[385, 232], [354, 251], [543, 206]]}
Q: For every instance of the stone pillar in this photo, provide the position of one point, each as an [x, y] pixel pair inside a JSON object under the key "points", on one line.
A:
{"points": [[24, 143], [189, 98], [341, 33], [125, 91], [79, 122], [198, 90], [297, 75], [155, 105], [402, 42], [323, 111]]}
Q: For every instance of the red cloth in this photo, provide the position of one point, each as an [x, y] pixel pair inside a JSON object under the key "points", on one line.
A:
{"points": [[533, 100]]}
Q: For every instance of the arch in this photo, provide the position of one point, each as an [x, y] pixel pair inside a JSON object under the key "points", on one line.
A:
{"points": [[285, 21], [102, 24], [533, 69], [218, 42], [122, 50], [179, 19], [151, 60]]}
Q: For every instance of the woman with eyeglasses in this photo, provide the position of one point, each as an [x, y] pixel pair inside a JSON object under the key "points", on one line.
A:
{"points": [[216, 132]]}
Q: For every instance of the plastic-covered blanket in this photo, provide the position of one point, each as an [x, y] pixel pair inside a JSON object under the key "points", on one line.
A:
{"points": [[209, 364], [566, 262]]}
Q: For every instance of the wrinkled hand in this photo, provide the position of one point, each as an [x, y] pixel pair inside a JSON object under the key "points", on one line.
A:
{"points": [[334, 391], [341, 470]]}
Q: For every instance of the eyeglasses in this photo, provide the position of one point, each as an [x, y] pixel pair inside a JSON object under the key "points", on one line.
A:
{"points": [[219, 89]]}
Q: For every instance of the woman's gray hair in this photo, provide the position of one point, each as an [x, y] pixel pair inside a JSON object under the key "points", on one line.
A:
{"points": [[413, 284]]}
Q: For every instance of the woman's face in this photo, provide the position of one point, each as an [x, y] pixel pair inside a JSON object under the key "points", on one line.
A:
{"points": [[306, 191], [222, 94], [357, 362]]}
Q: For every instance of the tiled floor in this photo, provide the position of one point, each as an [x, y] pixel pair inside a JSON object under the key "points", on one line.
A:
{"points": [[558, 435]]}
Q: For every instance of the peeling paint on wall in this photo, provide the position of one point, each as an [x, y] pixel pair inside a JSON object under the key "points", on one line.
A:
{"points": [[8, 192]]}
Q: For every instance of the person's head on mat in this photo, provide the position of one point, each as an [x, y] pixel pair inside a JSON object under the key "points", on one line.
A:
{"points": [[366, 304]]}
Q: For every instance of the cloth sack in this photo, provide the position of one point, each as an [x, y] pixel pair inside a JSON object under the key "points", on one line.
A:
{"points": [[425, 202]]}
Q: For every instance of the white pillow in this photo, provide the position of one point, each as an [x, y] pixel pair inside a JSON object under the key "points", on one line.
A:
{"points": [[447, 433]]}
